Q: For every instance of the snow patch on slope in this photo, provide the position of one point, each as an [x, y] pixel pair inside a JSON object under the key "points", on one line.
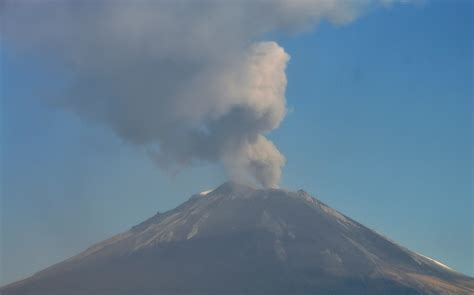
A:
{"points": [[435, 261], [205, 193]]}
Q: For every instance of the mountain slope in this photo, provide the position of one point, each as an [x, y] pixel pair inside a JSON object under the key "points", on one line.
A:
{"points": [[240, 240]]}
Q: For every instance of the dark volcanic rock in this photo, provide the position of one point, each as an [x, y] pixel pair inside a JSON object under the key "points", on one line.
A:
{"points": [[241, 240]]}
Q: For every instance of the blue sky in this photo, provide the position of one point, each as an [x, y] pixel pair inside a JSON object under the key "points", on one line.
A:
{"points": [[380, 128]]}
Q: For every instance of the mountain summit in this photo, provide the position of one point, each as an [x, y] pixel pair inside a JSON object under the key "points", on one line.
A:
{"points": [[237, 239]]}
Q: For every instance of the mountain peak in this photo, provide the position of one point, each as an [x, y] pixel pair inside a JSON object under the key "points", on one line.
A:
{"points": [[219, 241], [233, 187]]}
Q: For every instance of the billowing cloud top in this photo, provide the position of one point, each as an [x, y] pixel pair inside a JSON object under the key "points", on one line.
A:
{"points": [[186, 79]]}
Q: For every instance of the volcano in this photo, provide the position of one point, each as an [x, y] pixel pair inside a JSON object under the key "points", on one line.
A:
{"points": [[237, 239]]}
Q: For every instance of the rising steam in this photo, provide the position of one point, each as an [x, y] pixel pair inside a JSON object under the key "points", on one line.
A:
{"points": [[186, 79]]}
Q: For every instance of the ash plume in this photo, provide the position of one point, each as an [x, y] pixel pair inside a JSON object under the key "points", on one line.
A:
{"points": [[189, 80]]}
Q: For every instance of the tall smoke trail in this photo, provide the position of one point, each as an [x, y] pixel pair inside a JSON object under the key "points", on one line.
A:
{"points": [[187, 79]]}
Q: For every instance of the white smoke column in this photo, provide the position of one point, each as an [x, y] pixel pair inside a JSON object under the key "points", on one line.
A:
{"points": [[243, 101], [186, 79], [259, 87]]}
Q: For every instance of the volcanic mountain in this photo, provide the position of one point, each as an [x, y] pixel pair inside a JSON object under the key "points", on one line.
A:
{"points": [[241, 240]]}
